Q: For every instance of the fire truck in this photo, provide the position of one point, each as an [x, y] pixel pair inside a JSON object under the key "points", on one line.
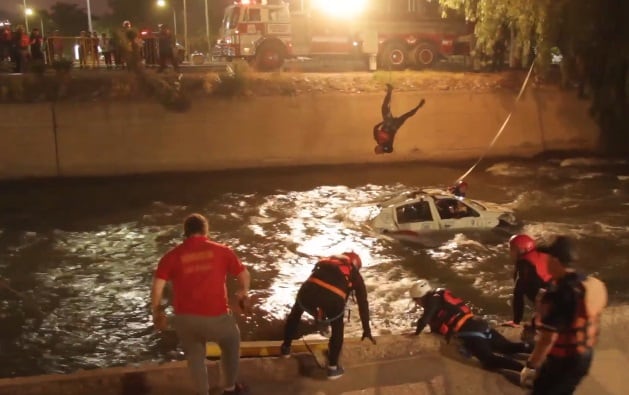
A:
{"points": [[391, 34]]}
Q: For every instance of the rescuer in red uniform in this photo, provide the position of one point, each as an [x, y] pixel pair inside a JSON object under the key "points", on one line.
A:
{"points": [[568, 320], [530, 275], [384, 132], [197, 269]]}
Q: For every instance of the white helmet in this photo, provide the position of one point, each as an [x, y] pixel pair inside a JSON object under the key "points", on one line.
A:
{"points": [[420, 289]]}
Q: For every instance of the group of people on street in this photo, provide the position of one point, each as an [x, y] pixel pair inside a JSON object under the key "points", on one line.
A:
{"points": [[20, 47], [568, 307], [118, 50]]}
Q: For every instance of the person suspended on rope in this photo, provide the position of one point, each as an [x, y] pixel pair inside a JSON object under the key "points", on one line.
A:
{"points": [[459, 189], [384, 132], [324, 296], [450, 317], [530, 275]]}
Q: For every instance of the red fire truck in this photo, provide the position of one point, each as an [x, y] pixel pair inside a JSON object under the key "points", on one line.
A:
{"points": [[392, 34]]}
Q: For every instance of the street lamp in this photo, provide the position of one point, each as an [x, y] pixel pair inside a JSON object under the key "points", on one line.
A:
{"points": [[27, 12], [162, 4]]}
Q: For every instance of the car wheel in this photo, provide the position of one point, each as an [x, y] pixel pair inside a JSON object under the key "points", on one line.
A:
{"points": [[269, 57]]}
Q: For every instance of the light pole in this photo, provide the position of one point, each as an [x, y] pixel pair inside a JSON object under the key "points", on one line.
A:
{"points": [[27, 12], [89, 16], [185, 28], [162, 3], [207, 29]]}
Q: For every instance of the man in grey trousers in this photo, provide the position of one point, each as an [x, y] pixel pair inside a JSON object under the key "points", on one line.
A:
{"points": [[197, 269]]}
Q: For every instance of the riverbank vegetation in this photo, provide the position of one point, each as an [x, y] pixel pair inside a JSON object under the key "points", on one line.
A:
{"points": [[590, 36]]}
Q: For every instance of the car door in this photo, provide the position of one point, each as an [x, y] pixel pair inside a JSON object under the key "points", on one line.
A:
{"points": [[415, 217], [456, 214]]}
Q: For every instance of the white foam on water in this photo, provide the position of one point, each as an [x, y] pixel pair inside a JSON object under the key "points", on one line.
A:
{"points": [[526, 200], [623, 178], [509, 170], [587, 176], [587, 162]]}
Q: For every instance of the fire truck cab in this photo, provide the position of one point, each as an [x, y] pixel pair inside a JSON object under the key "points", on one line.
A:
{"points": [[266, 32]]}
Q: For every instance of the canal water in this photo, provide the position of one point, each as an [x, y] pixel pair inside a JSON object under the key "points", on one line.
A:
{"points": [[81, 253]]}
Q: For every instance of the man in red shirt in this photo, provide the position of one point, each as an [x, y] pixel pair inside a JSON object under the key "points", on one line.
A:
{"points": [[197, 269]]}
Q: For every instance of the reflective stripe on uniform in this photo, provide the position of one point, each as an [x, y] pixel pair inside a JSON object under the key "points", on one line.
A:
{"points": [[329, 287]]}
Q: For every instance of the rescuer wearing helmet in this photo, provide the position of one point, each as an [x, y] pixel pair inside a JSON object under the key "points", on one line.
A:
{"points": [[384, 132], [568, 319], [530, 275], [449, 316], [459, 189], [324, 296]]}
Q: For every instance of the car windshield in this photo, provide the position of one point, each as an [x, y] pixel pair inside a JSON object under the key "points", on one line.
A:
{"points": [[475, 204], [232, 16]]}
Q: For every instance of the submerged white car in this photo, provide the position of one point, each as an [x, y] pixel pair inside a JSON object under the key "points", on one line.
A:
{"points": [[427, 210]]}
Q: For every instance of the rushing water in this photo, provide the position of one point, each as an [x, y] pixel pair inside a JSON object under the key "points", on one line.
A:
{"points": [[81, 252]]}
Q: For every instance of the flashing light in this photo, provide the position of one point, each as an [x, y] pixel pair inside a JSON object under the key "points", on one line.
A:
{"points": [[28, 11], [343, 9], [161, 3]]}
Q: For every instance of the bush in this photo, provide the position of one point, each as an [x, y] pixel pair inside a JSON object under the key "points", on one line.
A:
{"points": [[234, 81]]}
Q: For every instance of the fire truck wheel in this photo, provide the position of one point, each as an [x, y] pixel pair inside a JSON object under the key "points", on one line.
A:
{"points": [[425, 55], [269, 57], [394, 56]]}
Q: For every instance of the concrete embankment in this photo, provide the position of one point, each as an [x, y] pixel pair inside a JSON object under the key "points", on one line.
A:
{"points": [[105, 138], [422, 365]]}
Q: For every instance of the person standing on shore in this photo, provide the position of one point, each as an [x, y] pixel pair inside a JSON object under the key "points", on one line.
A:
{"points": [[568, 322], [530, 275], [197, 269], [324, 296]]}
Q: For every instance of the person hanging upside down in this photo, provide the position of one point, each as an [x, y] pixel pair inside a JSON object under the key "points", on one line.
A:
{"points": [[384, 132]]}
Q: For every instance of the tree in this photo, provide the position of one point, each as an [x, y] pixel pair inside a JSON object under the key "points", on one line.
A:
{"points": [[591, 36], [69, 19]]}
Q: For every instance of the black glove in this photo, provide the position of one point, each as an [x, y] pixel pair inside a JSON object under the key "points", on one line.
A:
{"points": [[367, 334]]}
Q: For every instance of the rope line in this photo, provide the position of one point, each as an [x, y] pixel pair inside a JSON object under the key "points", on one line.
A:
{"points": [[502, 128]]}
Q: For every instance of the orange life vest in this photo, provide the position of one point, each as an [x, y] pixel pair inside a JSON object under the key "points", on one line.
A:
{"points": [[453, 314], [540, 262], [582, 336], [343, 265]]}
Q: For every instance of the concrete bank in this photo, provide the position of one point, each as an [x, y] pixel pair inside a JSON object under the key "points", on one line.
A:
{"points": [[108, 138], [397, 365]]}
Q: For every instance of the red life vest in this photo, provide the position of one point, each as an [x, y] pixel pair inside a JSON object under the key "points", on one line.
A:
{"points": [[25, 41], [382, 137], [453, 314], [343, 265], [540, 262]]}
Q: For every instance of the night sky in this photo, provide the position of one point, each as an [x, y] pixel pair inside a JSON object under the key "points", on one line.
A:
{"points": [[99, 7]]}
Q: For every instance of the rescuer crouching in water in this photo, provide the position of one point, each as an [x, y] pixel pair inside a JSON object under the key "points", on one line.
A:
{"points": [[531, 274], [568, 319], [450, 317], [324, 296]]}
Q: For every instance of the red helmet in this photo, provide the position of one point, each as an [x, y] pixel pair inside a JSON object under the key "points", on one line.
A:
{"points": [[354, 259], [461, 184], [522, 243]]}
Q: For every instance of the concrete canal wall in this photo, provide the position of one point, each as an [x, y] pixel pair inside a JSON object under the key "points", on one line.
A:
{"points": [[105, 138]]}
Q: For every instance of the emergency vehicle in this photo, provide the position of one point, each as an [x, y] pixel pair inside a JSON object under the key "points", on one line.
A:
{"points": [[392, 34]]}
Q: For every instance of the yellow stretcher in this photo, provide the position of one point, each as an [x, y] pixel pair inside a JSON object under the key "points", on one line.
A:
{"points": [[271, 348]]}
